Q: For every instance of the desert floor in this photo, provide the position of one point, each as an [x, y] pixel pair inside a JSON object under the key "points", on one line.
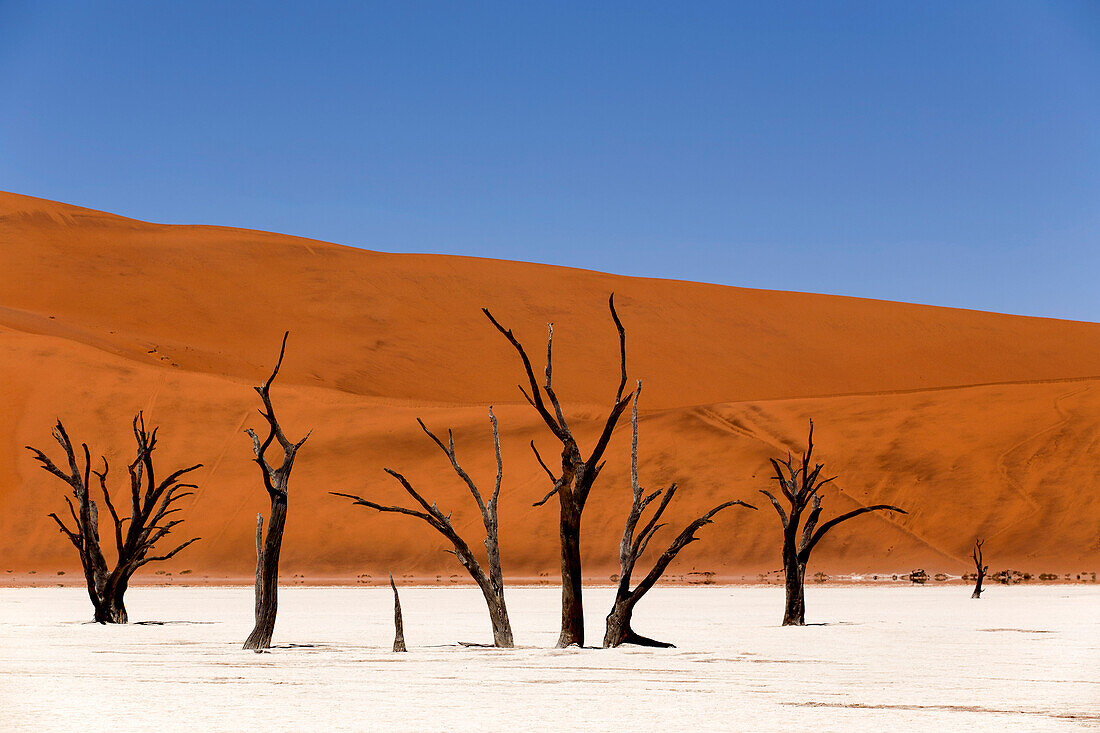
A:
{"points": [[1021, 658]]}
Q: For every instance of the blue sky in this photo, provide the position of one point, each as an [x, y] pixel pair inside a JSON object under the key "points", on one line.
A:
{"points": [[944, 153]]}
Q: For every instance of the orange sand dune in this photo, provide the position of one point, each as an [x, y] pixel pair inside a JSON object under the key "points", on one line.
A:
{"points": [[979, 423]]}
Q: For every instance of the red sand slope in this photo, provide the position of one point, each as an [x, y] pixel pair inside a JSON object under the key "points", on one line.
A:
{"points": [[978, 423]]}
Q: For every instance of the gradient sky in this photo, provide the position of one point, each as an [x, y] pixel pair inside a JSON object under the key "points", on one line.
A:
{"points": [[939, 152]]}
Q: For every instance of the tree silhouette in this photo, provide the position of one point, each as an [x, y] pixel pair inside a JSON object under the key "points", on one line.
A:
{"points": [[801, 486], [151, 505], [981, 569], [634, 545], [275, 479], [578, 473]]}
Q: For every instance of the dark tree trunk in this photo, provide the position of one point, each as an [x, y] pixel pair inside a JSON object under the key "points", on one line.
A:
{"points": [[259, 565], [491, 584], [498, 616], [267, 603], [398, 621], [492, 588], [108, 604], [572, 608], [794, 575], [619, 631], [109, 611], [114, 609], [618, 622]]}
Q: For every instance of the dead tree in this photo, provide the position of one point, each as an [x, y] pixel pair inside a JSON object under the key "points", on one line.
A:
{"points": [[151, 505], [491, 582], [981, 569], [398, 621], [633, 546], [275, 481], [578, 473], [801, 486]]}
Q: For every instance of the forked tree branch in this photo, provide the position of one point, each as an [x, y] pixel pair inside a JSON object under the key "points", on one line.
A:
{"points": [[686, 537], [805, 552], [535, 397]]}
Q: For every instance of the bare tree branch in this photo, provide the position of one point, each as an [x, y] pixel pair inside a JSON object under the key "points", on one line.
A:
{"points": [[777, 505], [553, 478], [170, 554], [553, 491], [429, 518], [844, 518], [535, 398], [449, 451], [73, 537], [686, 536], [102, 476], [549, 384], [496, 452]]}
